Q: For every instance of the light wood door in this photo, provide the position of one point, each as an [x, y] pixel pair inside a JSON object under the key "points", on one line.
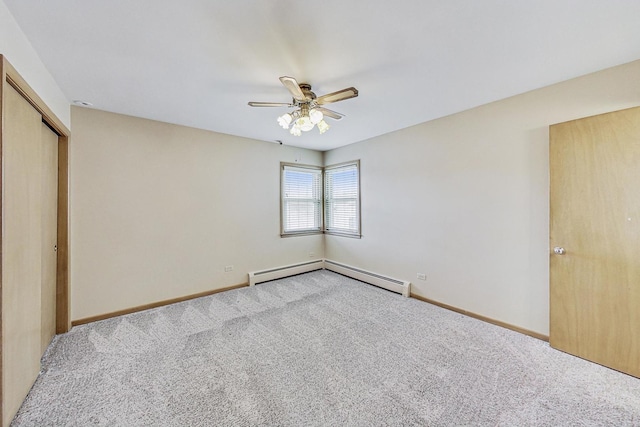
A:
{"points": [[21, 250], [49, 234], [595, 217], [29, 234]]}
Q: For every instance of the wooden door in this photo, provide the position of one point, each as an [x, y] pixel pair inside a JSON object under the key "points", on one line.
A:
{"points": [[21, 250], [595, 218], [49, 234], [34, 280]]}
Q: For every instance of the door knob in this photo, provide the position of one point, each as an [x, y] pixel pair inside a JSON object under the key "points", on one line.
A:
{"points": [[559, 251]]}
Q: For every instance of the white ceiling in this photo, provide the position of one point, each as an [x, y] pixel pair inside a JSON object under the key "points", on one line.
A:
{"points": [[198, 62]]}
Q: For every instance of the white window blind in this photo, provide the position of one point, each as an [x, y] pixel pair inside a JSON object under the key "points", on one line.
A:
{"points": [[342, 199], [301, 199]]}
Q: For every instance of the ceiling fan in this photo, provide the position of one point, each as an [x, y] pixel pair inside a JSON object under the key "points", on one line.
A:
{"points": [[309, 108]]}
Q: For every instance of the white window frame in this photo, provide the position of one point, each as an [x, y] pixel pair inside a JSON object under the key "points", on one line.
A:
{"points": [[331, 203], [316, 200], [321, 203]]}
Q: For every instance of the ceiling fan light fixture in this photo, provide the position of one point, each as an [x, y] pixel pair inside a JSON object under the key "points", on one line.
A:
{"points": [[285, 120], [315, 115], [308, 109], [323, 126]]}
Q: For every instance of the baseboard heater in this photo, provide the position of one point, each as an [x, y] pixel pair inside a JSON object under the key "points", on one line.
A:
{"points": [[394, 285], [285, 271]]}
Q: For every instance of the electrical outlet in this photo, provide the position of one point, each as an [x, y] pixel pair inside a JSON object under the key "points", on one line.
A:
{"points": [[312, 254], [228, 268], [422, 276]]}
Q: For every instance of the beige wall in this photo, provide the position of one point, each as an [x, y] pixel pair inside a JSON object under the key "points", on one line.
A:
{"points": [[15, 46], [158, 211], [464, 198]]}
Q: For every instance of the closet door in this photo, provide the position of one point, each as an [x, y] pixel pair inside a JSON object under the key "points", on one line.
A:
{"points": [[49, 233], [22, 233]]}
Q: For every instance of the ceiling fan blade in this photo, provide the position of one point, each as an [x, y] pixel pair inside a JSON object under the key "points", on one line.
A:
{"points": [[329, 113], [340, 95], [292, 85], [270, 104]]}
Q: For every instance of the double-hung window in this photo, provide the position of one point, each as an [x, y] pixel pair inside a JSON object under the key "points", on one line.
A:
{"points": [[342, 199], [316, 200], [301, 196]]}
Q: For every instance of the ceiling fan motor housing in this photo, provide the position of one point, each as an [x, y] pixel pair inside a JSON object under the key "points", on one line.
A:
{"points": [[306, 90]]}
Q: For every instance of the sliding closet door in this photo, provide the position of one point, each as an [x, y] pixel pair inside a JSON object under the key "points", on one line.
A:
{"points": [[49, 233], [22, 233]]}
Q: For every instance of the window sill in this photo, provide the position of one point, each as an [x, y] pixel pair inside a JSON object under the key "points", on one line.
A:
{"points": [[337, 233], [300, 233], [329, 233]]}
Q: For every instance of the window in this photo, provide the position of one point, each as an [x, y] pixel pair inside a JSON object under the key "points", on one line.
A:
{"points": [[301, 195], [310, 194], [342, 199]]}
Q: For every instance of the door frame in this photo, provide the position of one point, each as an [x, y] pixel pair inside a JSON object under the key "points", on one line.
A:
{"points": [[12, 77]]}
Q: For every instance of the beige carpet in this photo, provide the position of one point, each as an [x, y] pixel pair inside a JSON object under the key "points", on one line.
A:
{"points": [[317, 350]]}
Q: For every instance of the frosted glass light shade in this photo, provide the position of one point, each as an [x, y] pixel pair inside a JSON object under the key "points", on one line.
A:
{"points": [[295, 130], [285, 120], [323, 126], [304, 123], [315, 116]]}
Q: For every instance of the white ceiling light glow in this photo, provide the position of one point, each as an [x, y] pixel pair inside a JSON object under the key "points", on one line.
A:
{"points": [[305, 120]]}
